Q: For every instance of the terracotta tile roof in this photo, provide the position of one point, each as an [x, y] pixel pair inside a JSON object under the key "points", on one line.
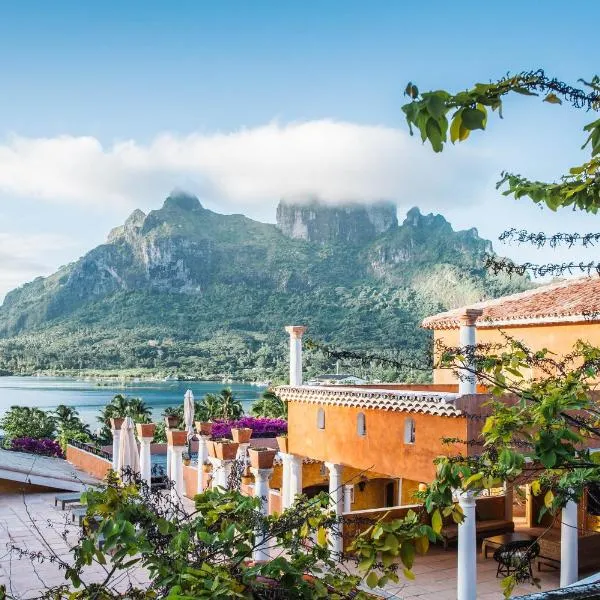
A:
{"points": [[574, 300], [433, 403]]}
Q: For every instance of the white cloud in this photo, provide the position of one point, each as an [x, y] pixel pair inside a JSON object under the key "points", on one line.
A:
{"points": [[28, 255], [244, 170]]}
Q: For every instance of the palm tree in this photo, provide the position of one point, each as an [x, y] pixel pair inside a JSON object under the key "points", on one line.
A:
{"points": [[120, 407], [269, 405], [223, 405]]}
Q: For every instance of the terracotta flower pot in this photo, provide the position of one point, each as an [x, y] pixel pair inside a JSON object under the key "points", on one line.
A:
{"points": [[171, 422], [283, 443], [116, 423], [247, 479], [204, 428], [176, 437], [145, 430], [225, 449], [187, 462], [207, 467], [262, 458], [241, 435]]}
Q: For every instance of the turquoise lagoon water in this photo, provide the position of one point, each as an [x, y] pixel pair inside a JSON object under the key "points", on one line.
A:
{"points": [[88, 397]]}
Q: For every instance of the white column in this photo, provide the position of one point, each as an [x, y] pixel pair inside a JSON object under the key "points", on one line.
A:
{"points": [[336, 494], [145, 460], [400, 491], [467, 383], [286, 482], [569, 567], [202, 457], [508, 501], [169, 462], [296, 332], [295, 469], [261, 490], [178, 488], [348, 489], [221, 470], [116, 436], [467, 549]]}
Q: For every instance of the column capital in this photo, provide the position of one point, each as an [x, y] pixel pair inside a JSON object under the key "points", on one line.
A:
{"points": [[296, 331], [466, 497], [261, 473], [469, 316], [334, 467]]}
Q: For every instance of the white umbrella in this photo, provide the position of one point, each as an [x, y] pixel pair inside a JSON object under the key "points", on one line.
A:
{"points": [[129, 456], [188, 412]]}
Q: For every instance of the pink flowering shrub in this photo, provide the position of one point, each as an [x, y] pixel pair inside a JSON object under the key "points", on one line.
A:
{"points": [[43, 447], [262, 427]]}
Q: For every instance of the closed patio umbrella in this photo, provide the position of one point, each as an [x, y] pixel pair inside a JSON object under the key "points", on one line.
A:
{"points": [[129, 456], [188, 413]]}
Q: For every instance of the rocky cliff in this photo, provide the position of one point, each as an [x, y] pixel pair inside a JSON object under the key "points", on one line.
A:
{"points": [[346, 224]]}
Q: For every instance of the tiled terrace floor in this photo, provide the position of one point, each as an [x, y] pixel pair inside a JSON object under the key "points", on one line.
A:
{"points": [[436, 578], [31, 522]]}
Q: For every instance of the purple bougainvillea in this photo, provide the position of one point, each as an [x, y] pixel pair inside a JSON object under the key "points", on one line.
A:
{"points": [[43, 447], [262, 427]]}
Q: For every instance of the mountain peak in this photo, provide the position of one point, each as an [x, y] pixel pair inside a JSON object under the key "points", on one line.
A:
{"points": [[182, 200], [352, 222], [415, 218]]}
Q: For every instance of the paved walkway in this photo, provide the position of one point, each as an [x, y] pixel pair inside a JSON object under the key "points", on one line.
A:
{"points": [[32, 524], [43, 470]]}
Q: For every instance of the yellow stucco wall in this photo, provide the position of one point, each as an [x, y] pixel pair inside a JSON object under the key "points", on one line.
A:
{"points": [[559, 338]]}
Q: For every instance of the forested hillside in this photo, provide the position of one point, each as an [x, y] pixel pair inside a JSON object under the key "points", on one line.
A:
{"points": [[186, 290]]}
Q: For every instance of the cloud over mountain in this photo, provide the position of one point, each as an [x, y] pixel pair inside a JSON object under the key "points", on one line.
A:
{"points": [[243, 170]]}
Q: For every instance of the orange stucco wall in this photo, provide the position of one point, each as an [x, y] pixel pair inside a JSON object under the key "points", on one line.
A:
{"points": [[382, 450], [190, 480], [559, 338], [88, 462]]}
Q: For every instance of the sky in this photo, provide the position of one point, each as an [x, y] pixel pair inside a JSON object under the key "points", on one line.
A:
{"points": [[107, 106]]}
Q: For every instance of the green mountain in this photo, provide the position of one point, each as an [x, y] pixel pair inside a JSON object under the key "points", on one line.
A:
{"points": [[184, 289]]}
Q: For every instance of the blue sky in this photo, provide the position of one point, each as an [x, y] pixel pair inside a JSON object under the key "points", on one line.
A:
{"points": [[106, 106]]}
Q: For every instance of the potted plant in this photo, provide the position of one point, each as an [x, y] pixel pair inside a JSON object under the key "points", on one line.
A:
{"points": [[241, 435], [176, 437], [224, 449], [171, 421], [116, 423], [262, 458], [186, 459], [145, 430], [283, 443], [206, 467], [204, 428]]}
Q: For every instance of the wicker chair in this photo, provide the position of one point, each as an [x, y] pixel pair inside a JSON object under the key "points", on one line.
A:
{"points": [[516, 558]]}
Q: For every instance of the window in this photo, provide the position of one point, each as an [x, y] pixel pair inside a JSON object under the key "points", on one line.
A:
{"points": [[409, 431], [321, 418], [361, 424]]}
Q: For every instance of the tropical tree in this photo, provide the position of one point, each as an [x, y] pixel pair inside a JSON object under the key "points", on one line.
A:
{"points": [[69, 425], [269, 405], [25, 421], [120, 407], [223, 406]]}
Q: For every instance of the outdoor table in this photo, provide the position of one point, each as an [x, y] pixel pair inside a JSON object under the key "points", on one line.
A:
{"points": [[496, 541]]}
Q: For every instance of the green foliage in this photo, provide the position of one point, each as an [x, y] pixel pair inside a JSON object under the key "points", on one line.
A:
{"points": [[120, 407], [437, 113], [69, 426], [209, 553], [222, 406], [24, 421], [269, 405]]}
